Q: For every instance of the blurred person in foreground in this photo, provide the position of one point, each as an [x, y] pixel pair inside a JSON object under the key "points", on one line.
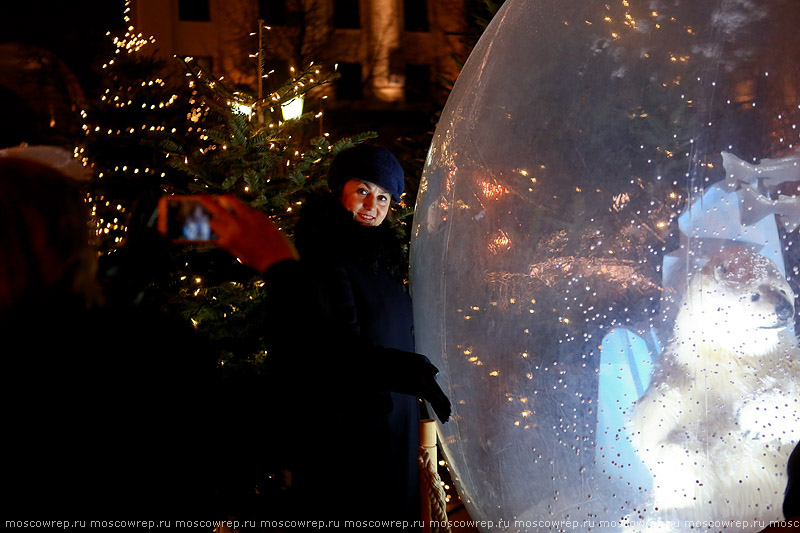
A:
{"points": [[106, 414]]}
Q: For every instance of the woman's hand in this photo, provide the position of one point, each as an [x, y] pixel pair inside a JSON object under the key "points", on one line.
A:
{"points": [[247, 233]]}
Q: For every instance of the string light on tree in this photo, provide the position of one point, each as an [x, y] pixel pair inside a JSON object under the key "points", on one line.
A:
{"points": [[139, 100]]}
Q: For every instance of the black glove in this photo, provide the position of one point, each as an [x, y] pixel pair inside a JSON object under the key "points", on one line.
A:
{"points": [[435, 396], [413, 374]]}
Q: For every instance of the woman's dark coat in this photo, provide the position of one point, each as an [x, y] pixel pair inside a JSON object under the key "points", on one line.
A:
{"points": [[356, 446]]}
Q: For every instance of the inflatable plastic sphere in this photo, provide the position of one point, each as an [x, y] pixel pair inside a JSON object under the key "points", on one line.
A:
{"points": [[605, 261]]}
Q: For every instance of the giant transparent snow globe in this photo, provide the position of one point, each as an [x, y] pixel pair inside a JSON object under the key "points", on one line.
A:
{"points": [[605, 261]]}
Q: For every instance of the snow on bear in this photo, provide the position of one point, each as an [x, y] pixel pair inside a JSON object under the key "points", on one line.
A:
{"points": [[720, 417]]}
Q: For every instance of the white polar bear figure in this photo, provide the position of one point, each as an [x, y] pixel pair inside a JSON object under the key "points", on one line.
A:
{"points": [[719, 420]]}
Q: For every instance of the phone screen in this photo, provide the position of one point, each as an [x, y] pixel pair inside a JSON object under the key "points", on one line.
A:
{"points": [[184, 219]]}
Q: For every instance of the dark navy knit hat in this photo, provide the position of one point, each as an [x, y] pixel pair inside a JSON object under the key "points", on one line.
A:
{"points": [[367, 163]]}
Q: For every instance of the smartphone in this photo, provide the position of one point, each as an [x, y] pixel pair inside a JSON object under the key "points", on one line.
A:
{"points": [[184, 219]]}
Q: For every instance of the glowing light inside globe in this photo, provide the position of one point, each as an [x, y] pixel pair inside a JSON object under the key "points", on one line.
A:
{"points": [[605, 261]]}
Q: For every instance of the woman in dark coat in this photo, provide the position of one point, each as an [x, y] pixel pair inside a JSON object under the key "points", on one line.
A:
{"points": [[356, 258], [357, 261]]}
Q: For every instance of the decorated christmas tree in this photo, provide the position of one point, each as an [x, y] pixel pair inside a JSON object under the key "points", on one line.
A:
{"points": [[139, 100], [163, 128]]}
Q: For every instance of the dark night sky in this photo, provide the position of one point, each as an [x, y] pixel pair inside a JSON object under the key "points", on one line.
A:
{"points": [[73, 30]]}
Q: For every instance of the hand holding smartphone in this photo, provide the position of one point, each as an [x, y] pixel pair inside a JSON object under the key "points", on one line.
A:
{"points": [[184, 219], [231, 225]]}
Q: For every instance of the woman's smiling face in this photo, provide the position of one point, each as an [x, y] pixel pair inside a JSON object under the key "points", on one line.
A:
{"points": [[368, 202]]}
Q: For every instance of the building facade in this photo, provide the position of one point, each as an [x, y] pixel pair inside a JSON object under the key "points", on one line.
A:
{"points": [[392, 56]]}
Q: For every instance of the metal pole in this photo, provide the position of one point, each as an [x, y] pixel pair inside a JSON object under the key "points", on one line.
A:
{"points": [[259, 111]]}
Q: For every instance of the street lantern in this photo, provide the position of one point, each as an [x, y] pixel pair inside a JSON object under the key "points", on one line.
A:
{"points": [[292, 109]]}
